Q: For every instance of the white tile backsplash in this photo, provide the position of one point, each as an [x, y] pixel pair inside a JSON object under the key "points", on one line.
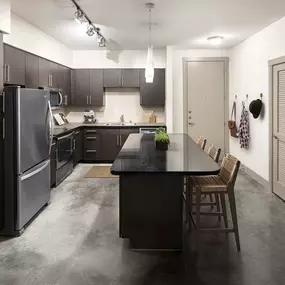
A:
{"points": [[119, 102]]}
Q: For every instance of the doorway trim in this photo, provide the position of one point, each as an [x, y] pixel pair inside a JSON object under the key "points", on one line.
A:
{"points": [[271, 64], [225, 60]]}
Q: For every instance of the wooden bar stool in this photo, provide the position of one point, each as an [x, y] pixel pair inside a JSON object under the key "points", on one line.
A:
{"points": [[201, 142], [220, 184], [214, 153]]}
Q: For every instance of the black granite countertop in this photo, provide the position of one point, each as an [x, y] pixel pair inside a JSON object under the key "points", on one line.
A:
{"points": [[184, 156], [62, 130]]}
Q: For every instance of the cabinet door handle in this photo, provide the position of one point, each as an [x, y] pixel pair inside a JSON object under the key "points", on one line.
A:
{"points": [[120, 140], [91, 131], [90, 99], [122, 80], [91, 138], [51, 79], [4, 72], [91, 150], [8, 73], [117, 140], [87, 99], [65, 100]]}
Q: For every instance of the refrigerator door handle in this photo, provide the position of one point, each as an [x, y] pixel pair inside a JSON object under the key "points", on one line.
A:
{"points": [[24, 177], [50, 127]]}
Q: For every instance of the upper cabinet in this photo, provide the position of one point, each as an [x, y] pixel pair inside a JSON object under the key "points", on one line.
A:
{"points": [[96, 87], [121, 78], [88, 87], [153, 94], [32, 71], [112, 78], [130, 78], [14, 66], [44, 73]]}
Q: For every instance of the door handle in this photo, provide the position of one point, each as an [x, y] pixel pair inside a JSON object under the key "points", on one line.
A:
{"points": [[90, 99], [87, 99], [120, 140]]}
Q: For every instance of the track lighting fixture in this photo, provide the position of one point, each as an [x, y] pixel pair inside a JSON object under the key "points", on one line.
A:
{"points": [[78, 16], [81, 16], [90, 30]]}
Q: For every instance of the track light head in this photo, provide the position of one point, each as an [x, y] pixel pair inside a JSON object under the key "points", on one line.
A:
{"points": [[101, 40], [90, 30], [78, 16]]}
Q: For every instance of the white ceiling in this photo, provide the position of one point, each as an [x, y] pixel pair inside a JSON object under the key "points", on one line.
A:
{"points": [[185, 23]]}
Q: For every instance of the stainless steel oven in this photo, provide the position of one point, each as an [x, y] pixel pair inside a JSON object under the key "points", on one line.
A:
{"points": [[64, 156]]}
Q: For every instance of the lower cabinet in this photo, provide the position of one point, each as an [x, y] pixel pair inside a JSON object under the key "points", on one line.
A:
{"points": [[105, 144], [78, 146], [91, 144], [53, 165]]}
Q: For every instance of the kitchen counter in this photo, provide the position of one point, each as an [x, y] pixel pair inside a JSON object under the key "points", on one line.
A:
{"points": [[151, 187], [61, 130]]}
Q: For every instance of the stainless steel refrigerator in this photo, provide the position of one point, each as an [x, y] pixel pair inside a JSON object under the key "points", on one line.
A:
{"points": [[27, 136]]}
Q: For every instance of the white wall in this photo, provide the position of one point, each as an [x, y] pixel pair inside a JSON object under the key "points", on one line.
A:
{"points": [[29, 38], [249, 75], [177, 75], [118, 102], [116, 58], [5, 16]]}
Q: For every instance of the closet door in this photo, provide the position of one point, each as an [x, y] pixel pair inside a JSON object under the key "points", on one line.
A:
{"points": [[279, 130]]}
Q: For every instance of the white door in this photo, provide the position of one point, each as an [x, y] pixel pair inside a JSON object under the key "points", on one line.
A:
{"points": [[206, 101], [279, 130]]}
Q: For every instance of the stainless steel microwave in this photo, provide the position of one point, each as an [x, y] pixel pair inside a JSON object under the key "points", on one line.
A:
{"points": [[56, 98]]}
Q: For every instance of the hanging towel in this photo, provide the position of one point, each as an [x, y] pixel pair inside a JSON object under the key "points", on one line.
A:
{"points": [[244, 129]]}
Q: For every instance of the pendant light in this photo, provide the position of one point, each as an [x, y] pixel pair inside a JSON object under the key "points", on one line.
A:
{"points": [[149, 71]]}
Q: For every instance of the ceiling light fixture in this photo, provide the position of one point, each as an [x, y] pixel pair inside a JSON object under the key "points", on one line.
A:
{"points": [[90, 30], [80, 16], [149, 71], [217, 40]]}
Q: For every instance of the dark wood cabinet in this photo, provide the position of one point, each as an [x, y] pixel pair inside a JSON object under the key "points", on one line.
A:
{"points": [[82, 87], [117, 78], [96, 87], [124, 134], [92, 144], [32, 71], [66, 80], [14, 66], [78, 146], [112, 78], [110, 144], [54, 75], [53, 165], [153, 94], [44, 73], [130, 78]]}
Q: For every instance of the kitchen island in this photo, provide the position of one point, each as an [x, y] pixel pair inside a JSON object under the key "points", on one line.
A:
{"points": [[151, 185]]}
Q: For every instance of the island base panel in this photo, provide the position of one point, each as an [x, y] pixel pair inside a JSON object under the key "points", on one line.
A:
{"points": [[151, 210]]}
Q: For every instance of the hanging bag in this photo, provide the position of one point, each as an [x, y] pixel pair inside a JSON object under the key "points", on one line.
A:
{"points": [[232, 123]]}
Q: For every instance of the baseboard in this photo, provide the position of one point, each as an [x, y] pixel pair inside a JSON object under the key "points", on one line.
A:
{"points": [[255, 176]]}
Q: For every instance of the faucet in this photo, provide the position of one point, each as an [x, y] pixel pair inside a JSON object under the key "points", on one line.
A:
{"points": [[122, 119]]}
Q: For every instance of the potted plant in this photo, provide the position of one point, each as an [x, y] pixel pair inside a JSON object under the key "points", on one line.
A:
{"points": [[161, 140]]}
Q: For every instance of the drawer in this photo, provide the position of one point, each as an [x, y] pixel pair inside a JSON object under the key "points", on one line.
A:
{"points": [[91, 154], [92, 142]]}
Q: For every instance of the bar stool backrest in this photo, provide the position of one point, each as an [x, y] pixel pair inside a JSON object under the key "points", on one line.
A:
{"points": [[201, 142], [214, 152], [229, 169]]}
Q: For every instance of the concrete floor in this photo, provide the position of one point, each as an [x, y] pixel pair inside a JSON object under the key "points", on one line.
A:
{"points": [[75, 241]]}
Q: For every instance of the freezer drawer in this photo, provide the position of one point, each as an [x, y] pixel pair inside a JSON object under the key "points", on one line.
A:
{"points": [[33, 193]]}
